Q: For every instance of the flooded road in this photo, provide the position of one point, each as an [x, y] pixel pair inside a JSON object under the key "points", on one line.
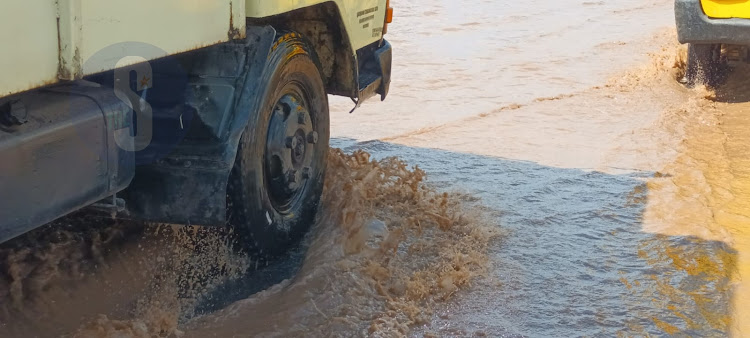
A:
{"points": [[567, 185], [624, 195]]}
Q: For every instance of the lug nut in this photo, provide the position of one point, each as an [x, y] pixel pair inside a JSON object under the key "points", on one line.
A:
{"points": [[301, 118], [290, 142], [292, 176], [306, 172], [312, 137]]}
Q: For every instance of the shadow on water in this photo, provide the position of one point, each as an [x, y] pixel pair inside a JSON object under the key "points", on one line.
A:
{"points": [[575, 260]]}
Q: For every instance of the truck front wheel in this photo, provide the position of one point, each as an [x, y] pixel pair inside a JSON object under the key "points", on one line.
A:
{"points": [[277, 179]]}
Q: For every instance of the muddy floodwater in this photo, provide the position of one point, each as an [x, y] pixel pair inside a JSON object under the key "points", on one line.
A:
{"points": [[537, 170]]}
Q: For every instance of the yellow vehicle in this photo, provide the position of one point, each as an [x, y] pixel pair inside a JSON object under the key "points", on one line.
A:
{"points": [[717, 31], [205, 112]]}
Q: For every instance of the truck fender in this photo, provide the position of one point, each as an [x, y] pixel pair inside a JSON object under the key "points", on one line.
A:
{"points": [[260, 41], [189, 186]]}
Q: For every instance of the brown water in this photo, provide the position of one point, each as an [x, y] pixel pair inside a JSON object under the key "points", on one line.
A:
{"points": [[589, 193]]}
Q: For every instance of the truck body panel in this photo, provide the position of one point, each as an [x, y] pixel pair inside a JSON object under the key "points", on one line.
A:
{"points": [[696, 26], [723, 9], [363, 19], [30, 59], [171, 25], [64, 39], [69, 39]]}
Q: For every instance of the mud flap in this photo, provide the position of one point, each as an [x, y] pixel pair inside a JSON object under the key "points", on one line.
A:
{"points": [[189, 185], [384, 56], [374, 72]]}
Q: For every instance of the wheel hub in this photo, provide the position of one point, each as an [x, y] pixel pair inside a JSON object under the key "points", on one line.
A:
{"points": [[289, 147], [299, 147]]}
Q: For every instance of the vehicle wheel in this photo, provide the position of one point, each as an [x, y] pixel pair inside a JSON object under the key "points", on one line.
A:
{"points": [[277, 179], [703, 61]]}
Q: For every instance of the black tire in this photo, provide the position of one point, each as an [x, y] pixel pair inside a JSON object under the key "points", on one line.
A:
{"points": [[268, 209], [703, 63]]}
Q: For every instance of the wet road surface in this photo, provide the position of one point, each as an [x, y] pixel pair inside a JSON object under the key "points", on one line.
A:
{"points": [[589, 194]]}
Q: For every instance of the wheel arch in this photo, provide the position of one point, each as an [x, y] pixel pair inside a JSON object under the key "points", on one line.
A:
{"points": [[323, 27]]}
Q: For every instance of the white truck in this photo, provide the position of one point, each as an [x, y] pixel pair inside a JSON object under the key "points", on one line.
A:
{"points": [[202, 112]]}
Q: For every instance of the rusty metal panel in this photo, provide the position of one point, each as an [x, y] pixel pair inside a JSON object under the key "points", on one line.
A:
{"points": [[363, 18], [28, 33]]}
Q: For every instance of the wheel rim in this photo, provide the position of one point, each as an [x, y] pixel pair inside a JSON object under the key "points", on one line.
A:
{"points": [[290, 144]]}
